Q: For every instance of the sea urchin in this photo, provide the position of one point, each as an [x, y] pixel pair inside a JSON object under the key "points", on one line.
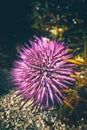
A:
{"points": [[41, 74]]}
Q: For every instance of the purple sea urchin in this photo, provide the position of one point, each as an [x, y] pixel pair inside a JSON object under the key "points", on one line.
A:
{"points": [[41, 73]]}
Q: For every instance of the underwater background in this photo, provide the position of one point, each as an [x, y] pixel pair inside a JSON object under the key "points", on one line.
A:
{"points": [[63, 20]]}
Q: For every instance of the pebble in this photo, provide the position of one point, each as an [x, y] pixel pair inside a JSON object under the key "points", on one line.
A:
{"points": [[14, 118]]}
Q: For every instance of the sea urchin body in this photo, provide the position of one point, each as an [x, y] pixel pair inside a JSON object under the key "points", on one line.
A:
{"points": [[41, 73]]}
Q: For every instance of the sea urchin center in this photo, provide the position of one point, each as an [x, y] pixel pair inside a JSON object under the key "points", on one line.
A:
{"points": [[46, 70]]}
